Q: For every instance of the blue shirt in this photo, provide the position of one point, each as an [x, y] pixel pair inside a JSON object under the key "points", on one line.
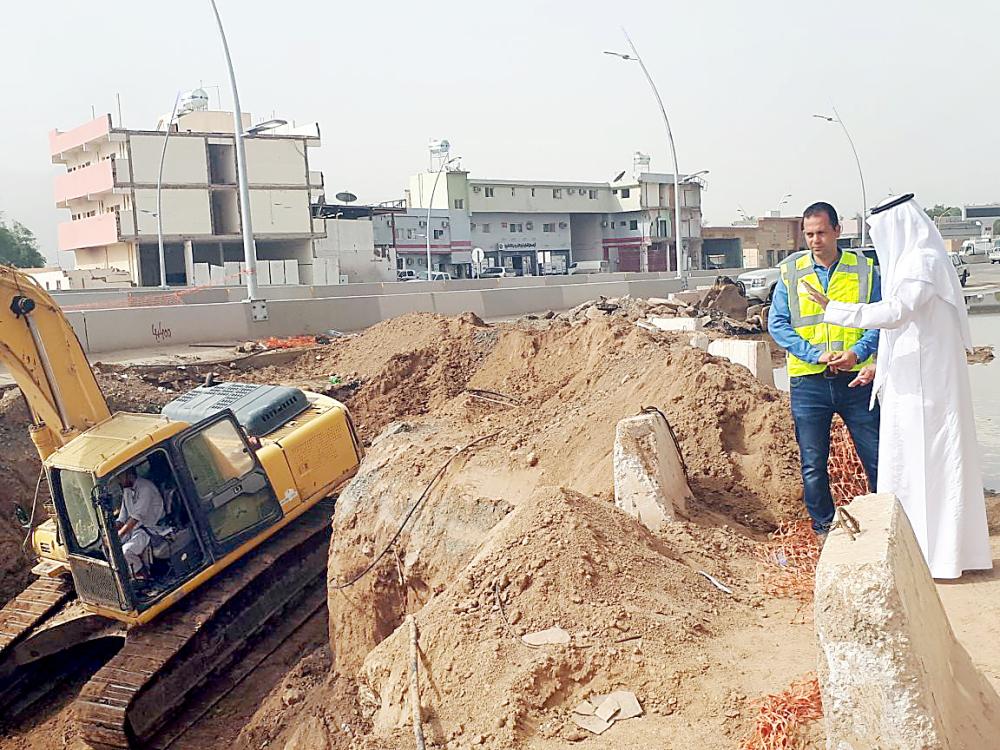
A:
{"points": [[779, 323]]}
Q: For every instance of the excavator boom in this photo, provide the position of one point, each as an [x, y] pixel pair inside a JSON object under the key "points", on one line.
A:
{"points": [[40, 349]]}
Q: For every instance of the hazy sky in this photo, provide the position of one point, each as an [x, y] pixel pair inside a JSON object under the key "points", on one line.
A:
{"points": [[522, 90]]}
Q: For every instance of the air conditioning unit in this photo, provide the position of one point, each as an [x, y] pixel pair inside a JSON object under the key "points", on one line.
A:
{"points": [[562, 224], [444, 224], [423, 223], [604, 223], [476, 189], [503, 224], [529, 226], [570, 191]]}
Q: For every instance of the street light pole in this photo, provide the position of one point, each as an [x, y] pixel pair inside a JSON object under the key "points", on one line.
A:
{"points": [[679, 252], [864, 198], [249, 250], [430, 203], [159, 187]]}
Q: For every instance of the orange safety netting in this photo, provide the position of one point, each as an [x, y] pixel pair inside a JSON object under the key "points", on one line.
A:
{"points": [[780, 716], [847, 473]]}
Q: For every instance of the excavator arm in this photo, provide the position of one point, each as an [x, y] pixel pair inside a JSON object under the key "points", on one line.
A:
{"points": [[39, 348]]}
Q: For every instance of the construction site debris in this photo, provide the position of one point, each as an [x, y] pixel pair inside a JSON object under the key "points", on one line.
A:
{"points": [[753, 355], [549, 637], [649, 477], [780, 717]]}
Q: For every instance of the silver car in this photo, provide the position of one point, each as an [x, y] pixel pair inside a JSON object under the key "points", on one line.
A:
{"points": [[759, 284]]}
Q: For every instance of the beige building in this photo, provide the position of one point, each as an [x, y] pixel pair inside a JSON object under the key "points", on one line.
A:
{"points": [[109, 189], [763, 243]]}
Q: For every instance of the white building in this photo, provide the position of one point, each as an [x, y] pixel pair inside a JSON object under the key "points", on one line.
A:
{"points": [[536, 227], [109, 188]]}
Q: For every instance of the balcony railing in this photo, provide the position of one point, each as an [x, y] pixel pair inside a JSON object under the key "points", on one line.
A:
{"points": [[90, 232], [93, 180]]}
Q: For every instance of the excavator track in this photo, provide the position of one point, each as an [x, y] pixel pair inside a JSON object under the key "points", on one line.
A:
{"points": [[133, 697], [30, 608]]}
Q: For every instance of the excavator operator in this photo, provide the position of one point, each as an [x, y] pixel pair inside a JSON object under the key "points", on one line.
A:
{"points": [[140, 515]]}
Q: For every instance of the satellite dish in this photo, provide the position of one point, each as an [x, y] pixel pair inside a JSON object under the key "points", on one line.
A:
{"points": [[620, 175], [346, 197]]}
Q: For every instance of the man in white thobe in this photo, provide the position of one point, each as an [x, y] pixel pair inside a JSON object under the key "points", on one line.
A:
{"points": [[928, 454], [141, 513]]}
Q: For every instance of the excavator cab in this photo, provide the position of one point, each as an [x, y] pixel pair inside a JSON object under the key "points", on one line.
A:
{"points": [[215, 496]]}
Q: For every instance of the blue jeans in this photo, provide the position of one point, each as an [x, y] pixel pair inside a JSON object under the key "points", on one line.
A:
{"points": [[815, 399]]}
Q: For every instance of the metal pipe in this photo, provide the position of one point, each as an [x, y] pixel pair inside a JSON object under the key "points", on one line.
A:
{"points": [[679, 252], [159, 188], [249, 250]]}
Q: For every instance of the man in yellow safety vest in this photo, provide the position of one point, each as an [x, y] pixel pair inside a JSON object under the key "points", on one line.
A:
{"points": [[825, 362]]}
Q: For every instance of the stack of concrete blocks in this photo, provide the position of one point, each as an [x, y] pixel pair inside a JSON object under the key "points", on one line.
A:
{"points": [[650, 481], [319, 272], [753, 355], [892, 674]]}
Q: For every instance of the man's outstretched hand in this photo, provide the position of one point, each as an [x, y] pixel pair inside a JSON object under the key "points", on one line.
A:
{"points": [[865, 376]]}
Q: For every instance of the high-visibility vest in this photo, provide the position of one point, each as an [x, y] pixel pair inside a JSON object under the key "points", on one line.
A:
{"points": [[851, 281]]}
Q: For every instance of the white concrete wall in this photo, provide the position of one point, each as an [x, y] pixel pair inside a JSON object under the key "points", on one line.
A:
{"points": [[280, 211], [276, 161], [185, 211], [186, 162]]}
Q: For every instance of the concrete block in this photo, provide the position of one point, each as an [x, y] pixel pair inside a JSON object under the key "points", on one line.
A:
{"points": [[263, 273], [291, 272], [677, 324], [218, 275], [202, 274], [753, 355], [277, 272], [232, 273], [154, 327], [701, 341], [688, 297], [892, 674], [650, 481]]}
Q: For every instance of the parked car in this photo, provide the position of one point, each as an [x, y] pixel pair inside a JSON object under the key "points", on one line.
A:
{"points": [[961, 267], [493, 272], [759, 284], [436, 276], [994, 255], [406, 274], [588, 266]]}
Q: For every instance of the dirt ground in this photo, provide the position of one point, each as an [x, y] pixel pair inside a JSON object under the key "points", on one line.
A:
{"points": [[518, 534]]}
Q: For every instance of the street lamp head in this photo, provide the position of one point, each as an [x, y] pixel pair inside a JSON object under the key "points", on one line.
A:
{"points": [[266, 125], [622, 55], [827, 118]]}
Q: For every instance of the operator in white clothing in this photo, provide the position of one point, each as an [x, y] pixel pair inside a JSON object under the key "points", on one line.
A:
{"points": [[140, 514]]}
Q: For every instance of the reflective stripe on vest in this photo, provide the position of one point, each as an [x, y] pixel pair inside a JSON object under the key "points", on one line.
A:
{"points": [[851, 281]]}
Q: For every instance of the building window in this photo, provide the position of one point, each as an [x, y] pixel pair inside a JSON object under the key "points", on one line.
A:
{"points": [[557, 192], [548, 227], [489, 192], [472, 226], [532, 192], [486, 229], [626, 192], [633, 225], [460, 203], [438, 234], [592, 194], [621, 223], [512, 192], [409, 234], [513, 228]]}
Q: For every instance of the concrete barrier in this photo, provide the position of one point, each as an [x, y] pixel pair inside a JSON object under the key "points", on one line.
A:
{"points": [[149, 327], [892, 674], [505, 303], [456, 303], [753, 355], [574, 294], [294, 317], [394, 305]]}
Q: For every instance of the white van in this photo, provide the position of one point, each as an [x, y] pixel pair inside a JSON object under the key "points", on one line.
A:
{"points": [[588, 266]]}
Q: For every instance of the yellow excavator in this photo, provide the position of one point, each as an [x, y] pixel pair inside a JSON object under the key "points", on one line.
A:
{"points": [[235, 556]]}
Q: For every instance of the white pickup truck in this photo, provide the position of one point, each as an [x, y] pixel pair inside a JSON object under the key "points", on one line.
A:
{"points": [[981, 250]]}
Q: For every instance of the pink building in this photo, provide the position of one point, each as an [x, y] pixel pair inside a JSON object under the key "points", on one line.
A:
{"points": [[109, 189]]}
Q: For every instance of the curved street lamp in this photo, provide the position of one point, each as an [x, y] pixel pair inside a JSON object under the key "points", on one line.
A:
{"points": [[679, 252], [428, 234], [249, 250], [864, 199]]}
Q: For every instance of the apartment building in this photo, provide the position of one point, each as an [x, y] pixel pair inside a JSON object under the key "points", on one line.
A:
{"points": [[109, 189], [541, 227]]}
